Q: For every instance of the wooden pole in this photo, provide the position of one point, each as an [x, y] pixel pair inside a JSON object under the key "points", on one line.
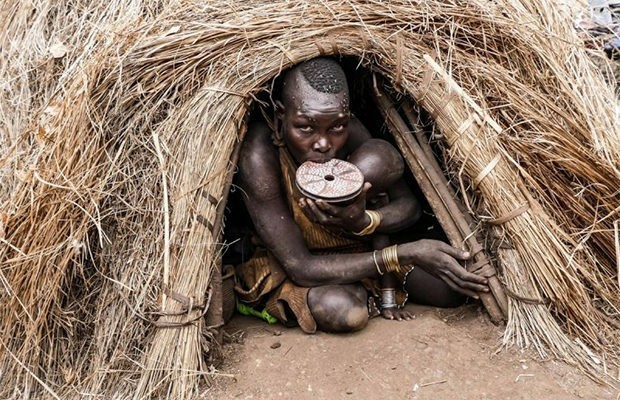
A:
{"points": [[462, 218], [434, 186]]}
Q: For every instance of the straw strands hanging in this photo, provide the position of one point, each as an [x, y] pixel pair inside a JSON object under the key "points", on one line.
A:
{"points": [[118, 133]]}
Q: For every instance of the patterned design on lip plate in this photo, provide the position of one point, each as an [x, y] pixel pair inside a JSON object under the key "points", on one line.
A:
{"points": [[335, 180]]}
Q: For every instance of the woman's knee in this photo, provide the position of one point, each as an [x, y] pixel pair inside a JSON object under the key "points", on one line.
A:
{"points": [[338, 308]]}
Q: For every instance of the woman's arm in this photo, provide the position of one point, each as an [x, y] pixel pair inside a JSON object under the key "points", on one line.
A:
{"points": [[260, 177], [260, 180]]}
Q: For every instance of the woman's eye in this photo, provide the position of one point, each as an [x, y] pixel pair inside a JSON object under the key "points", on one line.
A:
{"points": [[305, 129], [338, 128]]}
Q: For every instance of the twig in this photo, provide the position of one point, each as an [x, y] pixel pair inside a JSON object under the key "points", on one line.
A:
{"points": [[442, 72], [523, 376], [366, 375], [164, 180], [617, 242], [433, 383]]}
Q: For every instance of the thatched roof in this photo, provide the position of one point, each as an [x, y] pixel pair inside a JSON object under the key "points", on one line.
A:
{"points": [[118, 134]]}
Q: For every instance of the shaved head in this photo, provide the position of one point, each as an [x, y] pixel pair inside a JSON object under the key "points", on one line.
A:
{"points": [[324, 75], [313, 111]]}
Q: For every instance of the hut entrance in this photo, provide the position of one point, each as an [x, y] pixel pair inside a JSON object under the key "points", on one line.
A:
{"points": [[360, 79], [363, 87]]}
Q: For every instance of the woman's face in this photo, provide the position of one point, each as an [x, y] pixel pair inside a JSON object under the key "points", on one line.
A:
{"points": [[314, 124]]}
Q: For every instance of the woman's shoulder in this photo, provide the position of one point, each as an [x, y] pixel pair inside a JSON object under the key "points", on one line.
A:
{"points": [[358, 134], [258, 161]]}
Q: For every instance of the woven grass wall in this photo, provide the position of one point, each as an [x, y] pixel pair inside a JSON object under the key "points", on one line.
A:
{"points": [[117, 141]]}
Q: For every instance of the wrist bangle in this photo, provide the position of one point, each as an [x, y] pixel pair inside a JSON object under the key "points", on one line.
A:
{"points": [[390, 258], [374, 258], [375, 220]]}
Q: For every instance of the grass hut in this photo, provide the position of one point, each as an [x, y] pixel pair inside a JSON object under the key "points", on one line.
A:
{"points": [[119, 129]]}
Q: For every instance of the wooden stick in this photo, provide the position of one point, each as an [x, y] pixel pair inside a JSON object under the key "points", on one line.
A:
{"points": [[166, 211], [412, 117], [435, 188], [462, 219]]}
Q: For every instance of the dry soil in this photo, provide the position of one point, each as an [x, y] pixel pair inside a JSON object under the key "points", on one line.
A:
{"points": [[440, 355]]}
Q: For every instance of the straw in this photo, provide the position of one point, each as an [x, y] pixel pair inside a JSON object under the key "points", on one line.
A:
{"points": [[87, 86]]}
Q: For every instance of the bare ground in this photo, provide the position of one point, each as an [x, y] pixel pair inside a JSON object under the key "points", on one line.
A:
{"points": [[440, 355]]}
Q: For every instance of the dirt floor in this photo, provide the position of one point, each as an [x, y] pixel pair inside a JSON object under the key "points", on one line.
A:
{"points": [[440, 355]]}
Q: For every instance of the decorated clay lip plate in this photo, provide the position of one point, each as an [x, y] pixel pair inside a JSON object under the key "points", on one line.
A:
{"points": [[333, 181]]}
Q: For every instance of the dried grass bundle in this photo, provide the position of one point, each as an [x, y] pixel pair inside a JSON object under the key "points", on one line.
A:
{"points": [[120, 159]]}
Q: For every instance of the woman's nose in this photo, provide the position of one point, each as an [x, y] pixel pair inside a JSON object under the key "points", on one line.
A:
{"points": [[321, 145]]}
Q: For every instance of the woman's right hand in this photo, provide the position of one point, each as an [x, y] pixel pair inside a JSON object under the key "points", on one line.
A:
{"points": [[444, 262], [350, 217]]}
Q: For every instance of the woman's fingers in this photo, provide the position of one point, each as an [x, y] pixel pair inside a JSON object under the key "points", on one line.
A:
{"points": [[314, 212], [406, 315], [460, 271], [387, 313], [326, 207], [454, 252], [466, 285], [457, 288]]}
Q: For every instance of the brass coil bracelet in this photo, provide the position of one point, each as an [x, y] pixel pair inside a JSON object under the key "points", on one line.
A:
{"points": [[375, 220]]}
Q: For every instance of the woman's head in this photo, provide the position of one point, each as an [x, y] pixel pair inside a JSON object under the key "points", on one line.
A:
{"points": [[313, 111]]}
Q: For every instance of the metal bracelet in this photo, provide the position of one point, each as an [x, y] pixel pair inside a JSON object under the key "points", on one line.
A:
{"points": [[388, 298], [374, 258]]}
